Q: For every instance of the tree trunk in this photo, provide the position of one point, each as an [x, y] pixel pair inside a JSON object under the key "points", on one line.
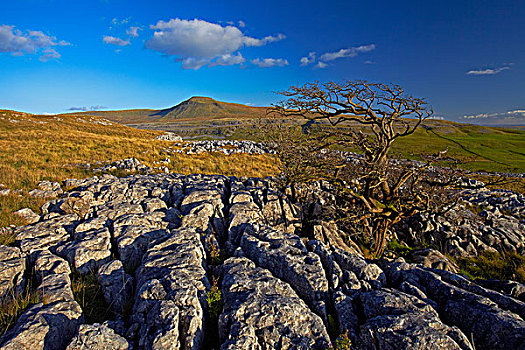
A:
{"points": [[293, 192], [380, 232]]}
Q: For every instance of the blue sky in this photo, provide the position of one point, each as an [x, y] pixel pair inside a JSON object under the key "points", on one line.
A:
{"points": [[467, 58]]}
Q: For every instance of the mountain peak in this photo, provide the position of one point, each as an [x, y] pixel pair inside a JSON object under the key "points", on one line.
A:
{"points": [[201, 99]]}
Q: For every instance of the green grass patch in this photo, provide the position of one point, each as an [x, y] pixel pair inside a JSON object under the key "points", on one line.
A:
{"points": [[399, 249], [475, 148], [13, 202], [12, 306], [214, 299], [88, 293], [494, 265], [342, 342]]}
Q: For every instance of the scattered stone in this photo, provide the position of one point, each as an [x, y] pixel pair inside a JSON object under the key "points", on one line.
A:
{"points": [[263, 312], [44, 326], [158, 240], [172, 285], [287, 258], [328, 233], [76, 205], [169, 136], [130, 165], [370, 273], [50, 186], [46, 189], [219, 146], [98, 337], [88, 250], [48, 233], [12, 268], [410, 331], [51, 323], [434, 259], [28, 215], [512, 288], [116, 284]]}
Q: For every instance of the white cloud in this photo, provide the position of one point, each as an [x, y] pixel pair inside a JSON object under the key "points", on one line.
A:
{"points": [[488, 71], [117, 21], [228, 60], [114, 41], [133, 31], [49, 54], [514, 117], [269, 62], [193, 62], [330, 56], [349, 52], [197, 42], [87, 108], [31, 42], [478, 116], [260, 42], [308, 59]]}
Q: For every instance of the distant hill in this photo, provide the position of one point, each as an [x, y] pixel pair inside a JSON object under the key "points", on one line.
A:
{"points": [[208, 108], [197, 108], [474, 147]]}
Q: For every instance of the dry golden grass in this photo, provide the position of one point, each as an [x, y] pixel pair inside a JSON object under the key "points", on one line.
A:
{"points": [[12, 306], [36, 148], [10, 203], [216, 163]]}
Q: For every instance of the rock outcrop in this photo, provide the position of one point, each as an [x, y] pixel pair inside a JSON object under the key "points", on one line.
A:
{"points": [[158, 243], [169, 136], [498, 224]]}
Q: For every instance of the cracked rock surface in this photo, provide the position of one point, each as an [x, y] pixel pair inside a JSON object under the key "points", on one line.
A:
{"points": [[158, 245]]}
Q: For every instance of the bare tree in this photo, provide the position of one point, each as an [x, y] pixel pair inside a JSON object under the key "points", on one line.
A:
{"points": [[301, 157], [369, 117]]}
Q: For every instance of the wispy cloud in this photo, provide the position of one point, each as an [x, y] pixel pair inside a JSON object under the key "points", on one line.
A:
{"points": [[228, 60], [489, 71], [49, 54], [197, 43], [133, 31], [513, 117], [111, 40], [348, 52], [29, 42], [308, 59], [116, 21], [87, 108], [269, 62]]}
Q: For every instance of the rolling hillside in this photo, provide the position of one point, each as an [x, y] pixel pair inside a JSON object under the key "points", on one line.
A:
{"points": [[195, 109], [42, 147], [475, 147]]}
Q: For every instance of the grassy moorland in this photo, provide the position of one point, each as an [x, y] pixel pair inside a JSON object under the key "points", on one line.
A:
{"points": [[35, 148], [473, 147]]}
